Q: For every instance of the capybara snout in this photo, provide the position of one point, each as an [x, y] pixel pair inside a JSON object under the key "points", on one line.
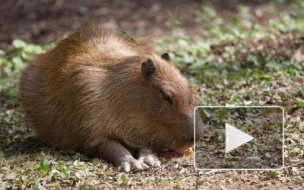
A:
{"points": [[98, 92]]}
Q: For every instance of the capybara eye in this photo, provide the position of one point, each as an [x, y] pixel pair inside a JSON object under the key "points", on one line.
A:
{"points": [[166, 97]]}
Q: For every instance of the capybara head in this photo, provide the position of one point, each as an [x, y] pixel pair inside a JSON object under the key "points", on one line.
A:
{"points": [[157, 105]]}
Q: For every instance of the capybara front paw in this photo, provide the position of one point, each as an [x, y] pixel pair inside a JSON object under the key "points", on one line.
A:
{"points": [[147, 156], [131, 164]]}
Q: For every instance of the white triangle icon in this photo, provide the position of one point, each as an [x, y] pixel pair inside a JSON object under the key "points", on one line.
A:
{"points": [[235, 138]]}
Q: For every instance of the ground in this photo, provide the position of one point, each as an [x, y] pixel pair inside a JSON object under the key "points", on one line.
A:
{"points": [[234, 53]]}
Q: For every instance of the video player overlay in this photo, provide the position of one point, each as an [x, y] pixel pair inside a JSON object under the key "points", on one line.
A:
{"points": [[241, 138]]}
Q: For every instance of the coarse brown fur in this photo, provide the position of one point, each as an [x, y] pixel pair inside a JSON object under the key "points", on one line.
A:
{"points": [[92, 90]]}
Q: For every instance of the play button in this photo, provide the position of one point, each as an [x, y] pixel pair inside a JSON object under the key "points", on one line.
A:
{"points": [[235, 138]]}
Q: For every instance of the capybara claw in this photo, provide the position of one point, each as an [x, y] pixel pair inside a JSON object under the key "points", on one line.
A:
{"points": [[147, 156], [131, 164]]}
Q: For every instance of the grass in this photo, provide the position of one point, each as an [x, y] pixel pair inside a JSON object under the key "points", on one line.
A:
{"points": [[241, 62]]}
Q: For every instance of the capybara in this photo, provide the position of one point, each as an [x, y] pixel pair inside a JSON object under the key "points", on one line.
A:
{"points": [[104, 94]]}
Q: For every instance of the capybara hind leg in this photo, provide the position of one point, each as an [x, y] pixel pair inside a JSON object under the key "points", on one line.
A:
{"points": [[147, 156], [114, 152]]}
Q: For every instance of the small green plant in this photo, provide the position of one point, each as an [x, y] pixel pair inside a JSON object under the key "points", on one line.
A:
{"points": [[44, 167], [271, 175]]}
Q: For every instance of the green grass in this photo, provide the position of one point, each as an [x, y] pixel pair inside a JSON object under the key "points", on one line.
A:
{"points": [[241, 62]]}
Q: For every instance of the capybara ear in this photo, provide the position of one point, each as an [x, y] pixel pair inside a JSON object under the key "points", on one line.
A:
{"points": [[148, 68], [166, 57]]}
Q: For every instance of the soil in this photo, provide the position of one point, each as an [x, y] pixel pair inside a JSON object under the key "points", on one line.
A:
{"points": [[46, 21]]}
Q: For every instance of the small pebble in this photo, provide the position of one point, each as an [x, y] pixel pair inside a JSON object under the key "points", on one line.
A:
{"points": [[267, 155]]}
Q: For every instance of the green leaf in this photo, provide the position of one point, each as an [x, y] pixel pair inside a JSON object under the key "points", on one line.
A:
{"points": [[222, 115], [124, 179], [62, 168], [32, 49], [183, 43], [2, 52], [44, 165], [271, 175], [295, 151], [17, 43], [125, 35], [246, 103], [3, 61], [266, 78], [14, 51], [95, 161], [244, 11], [18, 63], [299, 102], [207, 114], [25, 56], [11, 176], [269, 128]]}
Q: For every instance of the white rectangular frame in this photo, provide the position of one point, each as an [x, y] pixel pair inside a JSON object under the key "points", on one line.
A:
{"points": [[219, 169]]}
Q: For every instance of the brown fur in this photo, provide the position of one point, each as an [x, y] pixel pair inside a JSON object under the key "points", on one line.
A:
{"points": [[90, 91]]}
